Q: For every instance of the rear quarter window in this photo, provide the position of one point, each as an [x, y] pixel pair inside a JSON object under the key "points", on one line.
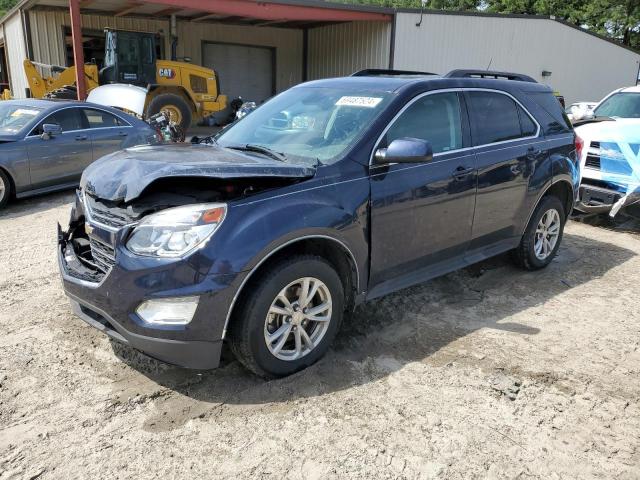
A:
{"points": [[495, 118], [555, 119]]}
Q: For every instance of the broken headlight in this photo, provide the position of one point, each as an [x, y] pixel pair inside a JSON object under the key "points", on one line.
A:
{"points": [[176, 231]]}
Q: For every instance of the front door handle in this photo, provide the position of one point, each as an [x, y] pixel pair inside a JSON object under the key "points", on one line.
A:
{"points": [[461, 172], [80, 138], [123, 134]]}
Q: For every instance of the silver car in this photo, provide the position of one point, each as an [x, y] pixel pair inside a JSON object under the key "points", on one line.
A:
{"points": [[45, 144]]}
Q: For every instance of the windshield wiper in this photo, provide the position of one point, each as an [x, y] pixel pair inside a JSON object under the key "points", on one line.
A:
{"points": [[252, 147]]}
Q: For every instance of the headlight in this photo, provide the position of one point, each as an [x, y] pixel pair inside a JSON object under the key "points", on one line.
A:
{"points": [[176, 231]]}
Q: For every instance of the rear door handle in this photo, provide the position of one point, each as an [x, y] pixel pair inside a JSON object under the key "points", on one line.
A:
{"points": [[79, 138], [123, 134], [461, 172]]}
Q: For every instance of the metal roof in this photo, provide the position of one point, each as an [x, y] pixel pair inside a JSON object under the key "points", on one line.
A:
{"points": [[275, 13]]}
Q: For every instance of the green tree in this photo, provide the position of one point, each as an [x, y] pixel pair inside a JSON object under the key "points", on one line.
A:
{"points": [[6, 5], [619, 19], [616, 19]]}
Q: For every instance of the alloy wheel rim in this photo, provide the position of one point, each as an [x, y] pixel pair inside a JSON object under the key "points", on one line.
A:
{"points": [[3, 189], [298, 319], [547, 234], [173, 113]]}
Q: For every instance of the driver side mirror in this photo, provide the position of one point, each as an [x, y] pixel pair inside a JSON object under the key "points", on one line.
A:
{"points": [[50, 130], [405, 150]]}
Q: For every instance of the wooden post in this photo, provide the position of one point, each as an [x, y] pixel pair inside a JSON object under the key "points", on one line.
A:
{"points": [[78, 53]]}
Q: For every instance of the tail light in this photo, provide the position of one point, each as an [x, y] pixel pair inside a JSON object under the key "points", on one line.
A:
{"points": [[579, 147]]}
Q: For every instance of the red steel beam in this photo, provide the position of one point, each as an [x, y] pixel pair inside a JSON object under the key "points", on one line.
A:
{"points": [[273, 11], [78, 54]]}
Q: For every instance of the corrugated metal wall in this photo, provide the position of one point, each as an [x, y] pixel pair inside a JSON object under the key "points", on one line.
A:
{"points": [[583, 67], [48, 39], [47, 31], [16, 52], [287, 42], [341, 49]]}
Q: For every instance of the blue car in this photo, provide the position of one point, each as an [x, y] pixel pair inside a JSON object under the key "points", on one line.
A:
{"points": [[332, 193], [45, 145]]}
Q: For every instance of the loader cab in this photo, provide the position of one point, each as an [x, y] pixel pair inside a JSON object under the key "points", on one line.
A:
{"points": [[130, 57]]}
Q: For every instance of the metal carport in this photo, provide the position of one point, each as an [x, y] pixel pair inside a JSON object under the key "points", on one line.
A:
{"points": [[288, 14]]}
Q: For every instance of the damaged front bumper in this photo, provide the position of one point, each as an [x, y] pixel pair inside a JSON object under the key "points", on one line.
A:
{"points": [[106, 297], [597, 197]]}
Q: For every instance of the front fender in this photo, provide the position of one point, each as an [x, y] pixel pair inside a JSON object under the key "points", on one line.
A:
{"points": [[254, 229]]}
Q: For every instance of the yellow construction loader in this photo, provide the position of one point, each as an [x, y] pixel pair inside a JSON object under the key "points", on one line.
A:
{"points": [[184, 91]]}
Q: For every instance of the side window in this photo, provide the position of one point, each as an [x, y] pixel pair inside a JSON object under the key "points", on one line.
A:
{"points": [[100, 119], [557, 120], [435, 118], [527, 126], [68, 119], [495, 117], [147, 50]]}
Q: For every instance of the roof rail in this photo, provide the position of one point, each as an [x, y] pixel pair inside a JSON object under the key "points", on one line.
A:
{"points": [[490, 74], [380, 72]]}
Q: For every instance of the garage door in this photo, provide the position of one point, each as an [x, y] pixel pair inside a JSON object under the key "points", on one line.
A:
{"points": [[243, 71]]}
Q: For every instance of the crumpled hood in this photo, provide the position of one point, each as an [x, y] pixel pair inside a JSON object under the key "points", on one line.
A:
{"points": [[125, 174]]}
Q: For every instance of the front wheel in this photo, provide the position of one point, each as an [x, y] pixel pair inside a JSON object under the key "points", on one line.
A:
{"points": [[541, 239], [289, 317]]}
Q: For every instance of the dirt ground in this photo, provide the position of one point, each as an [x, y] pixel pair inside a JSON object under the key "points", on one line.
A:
{"points": [[490, 372]]}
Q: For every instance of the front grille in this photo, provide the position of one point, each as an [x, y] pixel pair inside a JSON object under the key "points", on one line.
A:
{"points": [[608, 156], [104, 256], [593, 162], [110, 216]]}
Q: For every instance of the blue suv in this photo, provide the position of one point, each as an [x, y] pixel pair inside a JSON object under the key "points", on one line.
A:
{"points": [[333, 193]]}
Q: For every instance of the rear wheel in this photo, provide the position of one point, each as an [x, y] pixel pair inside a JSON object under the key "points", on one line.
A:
{"points": [[5, 189], [541, 239], [174, 106], [289, 317]]}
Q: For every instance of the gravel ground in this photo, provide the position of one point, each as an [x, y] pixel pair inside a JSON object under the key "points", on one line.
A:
{"points": [[489, 372]]}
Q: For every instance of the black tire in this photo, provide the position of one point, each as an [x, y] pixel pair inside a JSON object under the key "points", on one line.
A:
{"points": [[164, 100], [5, 189], [524, 255], [247, 330]]}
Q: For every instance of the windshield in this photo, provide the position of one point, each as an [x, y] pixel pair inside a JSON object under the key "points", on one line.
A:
{"points": [[308, 124], [13, 118], [622, 105]]}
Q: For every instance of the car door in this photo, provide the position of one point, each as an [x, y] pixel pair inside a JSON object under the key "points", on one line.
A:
{"points": [[107, 132], [421, 214], [506, 145], [61, 158]]}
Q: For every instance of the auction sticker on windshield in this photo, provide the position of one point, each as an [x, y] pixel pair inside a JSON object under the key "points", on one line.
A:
{"points": [[368, 102], [23, 111]]}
